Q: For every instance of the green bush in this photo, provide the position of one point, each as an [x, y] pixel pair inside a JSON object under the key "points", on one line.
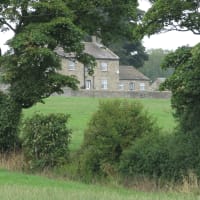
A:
{"points": [[45, 140], [148, 156], [171, 157], [113, 128], [10, 115], [185, 154]]}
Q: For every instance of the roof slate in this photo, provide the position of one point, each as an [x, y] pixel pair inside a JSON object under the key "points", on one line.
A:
{"points": [[97, 50], [131, 73]]}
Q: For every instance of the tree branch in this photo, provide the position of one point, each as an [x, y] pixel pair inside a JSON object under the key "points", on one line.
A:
{"points": [[3, 21]]}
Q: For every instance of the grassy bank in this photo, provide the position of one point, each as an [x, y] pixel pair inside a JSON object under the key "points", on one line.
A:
{"points": [[18, 186], [81, 110]]}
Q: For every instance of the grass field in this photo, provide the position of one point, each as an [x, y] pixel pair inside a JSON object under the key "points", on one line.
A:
{"points": [[16, 186], [81, 110]]}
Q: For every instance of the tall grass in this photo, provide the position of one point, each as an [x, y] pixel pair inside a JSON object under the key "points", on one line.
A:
{"points": [[13, 161], [17, 186]]}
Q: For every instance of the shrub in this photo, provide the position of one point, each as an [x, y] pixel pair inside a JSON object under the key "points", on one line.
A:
{"points": [[171, 157], [113, 128], [10, 114], [46, 140], [185, 154], [148, 156]]}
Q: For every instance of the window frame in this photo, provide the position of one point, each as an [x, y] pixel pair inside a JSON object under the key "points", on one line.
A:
{"points": [[104, 66], [104, 84], [131, 86], [142, 86], [71, 65], [121, 86]]}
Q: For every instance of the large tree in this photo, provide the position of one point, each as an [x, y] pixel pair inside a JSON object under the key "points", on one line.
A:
{"points": [[30, 67], [131, 52]]}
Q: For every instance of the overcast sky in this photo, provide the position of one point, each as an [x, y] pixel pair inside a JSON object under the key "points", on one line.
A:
{"points": [[170, 40]]}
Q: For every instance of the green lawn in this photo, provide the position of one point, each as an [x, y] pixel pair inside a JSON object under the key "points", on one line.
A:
{"points": [[16, 186], [81, 110]]}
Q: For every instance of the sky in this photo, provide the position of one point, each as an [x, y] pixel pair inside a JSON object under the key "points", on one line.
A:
{"points": [[171, 40]]}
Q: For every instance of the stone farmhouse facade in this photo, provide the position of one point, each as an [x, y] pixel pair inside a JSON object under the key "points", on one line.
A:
{"points": [[108, 74]]}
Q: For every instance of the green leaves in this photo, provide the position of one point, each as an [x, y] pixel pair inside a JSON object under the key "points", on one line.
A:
{"points": [[46, 140], [112, 129], [185, 86], [166, 15]]}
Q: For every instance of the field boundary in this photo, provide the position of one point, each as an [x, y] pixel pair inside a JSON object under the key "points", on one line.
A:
{"points": [[117, 94]]}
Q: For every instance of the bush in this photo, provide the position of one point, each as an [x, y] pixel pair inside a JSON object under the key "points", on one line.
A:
{"points": [[148, 156], [46, 140], [170, 157], [10, 114], [113, 128]]}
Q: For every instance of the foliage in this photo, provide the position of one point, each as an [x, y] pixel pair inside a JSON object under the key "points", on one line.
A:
{"points": [[112, 129], [167, 15], [30, 66], [102, 18], [152, 67], [130, 52], [184, 84], [10, 115], [148, 156], [168, 157], [46, 140]]}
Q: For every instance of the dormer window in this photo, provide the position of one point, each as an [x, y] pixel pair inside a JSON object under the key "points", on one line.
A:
{"points": [[71, 65], [104, 67]]}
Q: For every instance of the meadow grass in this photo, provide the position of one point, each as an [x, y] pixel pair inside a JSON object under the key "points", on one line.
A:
{"points": [[81, 110], [18, 186]]}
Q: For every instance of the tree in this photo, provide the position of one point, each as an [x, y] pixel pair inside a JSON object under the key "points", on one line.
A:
{"points": [[167, 15], [130, 52], [30, 67], [152, 67], [184, 83]]}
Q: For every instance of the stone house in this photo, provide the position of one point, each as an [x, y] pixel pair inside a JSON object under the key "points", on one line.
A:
{"points": [[108, 75]]}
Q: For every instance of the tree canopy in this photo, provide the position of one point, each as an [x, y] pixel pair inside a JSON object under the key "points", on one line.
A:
{"points": [[31, 64], [167, 15], [131, 52]]}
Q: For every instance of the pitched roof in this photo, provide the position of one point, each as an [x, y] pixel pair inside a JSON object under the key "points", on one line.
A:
{"points": [[95, 49], [131, 73]]}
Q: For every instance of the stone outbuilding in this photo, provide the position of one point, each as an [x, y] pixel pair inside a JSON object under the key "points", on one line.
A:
{"points": [[130, 79]]}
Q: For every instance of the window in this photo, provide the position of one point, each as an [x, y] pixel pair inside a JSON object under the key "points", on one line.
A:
{"points": [[104, 66], [88, 84], [121, 86], [142, 86], [131, 86], [104, 84], [71, 65]]}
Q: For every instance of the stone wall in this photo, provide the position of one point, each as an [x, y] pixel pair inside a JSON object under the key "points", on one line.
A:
{"points": [[117, 94]]}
